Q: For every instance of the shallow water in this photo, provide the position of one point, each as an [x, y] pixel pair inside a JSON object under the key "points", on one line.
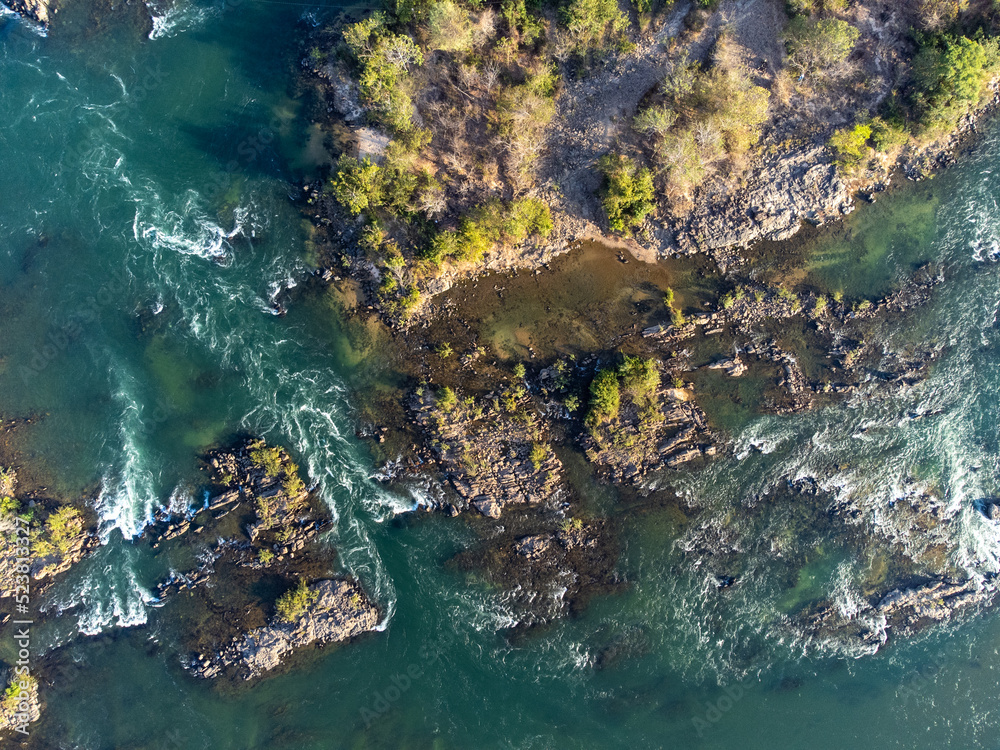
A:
{"points": [[146, 231]]}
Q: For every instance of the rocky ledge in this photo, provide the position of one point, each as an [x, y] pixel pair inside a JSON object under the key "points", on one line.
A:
{"points": [[339, 611]]}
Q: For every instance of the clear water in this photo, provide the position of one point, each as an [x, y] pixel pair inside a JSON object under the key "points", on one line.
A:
{"points": [[145, 232]]}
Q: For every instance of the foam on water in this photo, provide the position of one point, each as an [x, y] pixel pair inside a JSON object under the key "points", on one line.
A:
{"points": [[176, 16]]}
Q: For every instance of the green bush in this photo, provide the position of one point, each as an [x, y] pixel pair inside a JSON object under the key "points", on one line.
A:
{"points": [[605, 397], [885, 135], [850, 145], [357, 185], [295, 602], [64, 526], [639, 377], [520, 21], [446, 399], [589, 22], [265, 458], [628, 192], [655, 120], [539, 454], [384, 58], [9, 506], [949, 74], [292, 483]]}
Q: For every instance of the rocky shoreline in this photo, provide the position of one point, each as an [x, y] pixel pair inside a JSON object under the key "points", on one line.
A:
{"points": [[41, 11]]}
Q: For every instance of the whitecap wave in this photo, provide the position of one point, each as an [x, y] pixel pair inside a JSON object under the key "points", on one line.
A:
{"points": [[176, 17]]}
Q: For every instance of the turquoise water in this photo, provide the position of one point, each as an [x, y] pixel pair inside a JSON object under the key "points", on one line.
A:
{"points": [[146, 233]]}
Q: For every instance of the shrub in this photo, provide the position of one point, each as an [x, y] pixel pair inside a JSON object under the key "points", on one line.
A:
{"points": [[384, 59], [681, 78], [520, 117], [590, 21], [655, 120], [639, 377], [64, 526], [949, 73], [448, 27], [8, 481], [265, 556], [357, 185], [850, 145], [9, 703], [446, 399], [295, 602], [409, 302], [628, 192], [682, 159], [444, 350], [885, 135], [520, 21], [605, 397], [265, 458], [292, 483], [520, 371], [819, 45], [539, 453], [494, 221], [676, 316], [9, 506]]}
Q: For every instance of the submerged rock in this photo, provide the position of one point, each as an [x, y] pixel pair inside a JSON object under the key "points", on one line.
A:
{"points": [[904, 611], [734, 366]]}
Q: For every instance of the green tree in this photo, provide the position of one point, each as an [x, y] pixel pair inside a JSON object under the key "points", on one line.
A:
{"points": [[384, 58], [628, 192], [357, 185], [949, 73], [605, 397], [295, 602], [850, 145]]}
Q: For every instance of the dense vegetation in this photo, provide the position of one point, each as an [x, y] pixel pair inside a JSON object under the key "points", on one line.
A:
{"points": [[635, 378]]}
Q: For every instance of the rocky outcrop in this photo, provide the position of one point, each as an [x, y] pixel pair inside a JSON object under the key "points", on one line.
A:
{"points": [[47, 536], [493, 454], [261, 523], [41, 11], [665, 429], [801, 185], [903, 611], [341, 611]]}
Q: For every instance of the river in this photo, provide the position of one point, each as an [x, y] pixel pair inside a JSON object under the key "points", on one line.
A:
{"points": [[147, 237]]}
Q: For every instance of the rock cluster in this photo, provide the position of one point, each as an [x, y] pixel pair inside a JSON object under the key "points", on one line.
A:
{"points": [[902, 610], [341, 611], [491, 460]]}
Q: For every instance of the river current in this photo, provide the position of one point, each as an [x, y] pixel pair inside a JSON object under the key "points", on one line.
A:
{"points": [[147, 239]]}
